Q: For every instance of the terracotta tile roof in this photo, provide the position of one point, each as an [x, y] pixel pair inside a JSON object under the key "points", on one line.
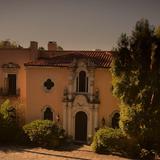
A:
{"points": [[101, 59]]}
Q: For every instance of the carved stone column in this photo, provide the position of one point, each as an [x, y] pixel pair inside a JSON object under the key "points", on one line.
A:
{"points": [[5, 83], [95, 117], [69, 118], [70, 87], [90, 123], [65, 116], [91, 84]]}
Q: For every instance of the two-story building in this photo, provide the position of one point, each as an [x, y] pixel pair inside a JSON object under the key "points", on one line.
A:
{"points": [[73, 88]]}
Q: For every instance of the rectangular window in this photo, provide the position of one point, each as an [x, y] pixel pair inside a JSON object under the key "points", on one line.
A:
{"points": [[12, 84]]}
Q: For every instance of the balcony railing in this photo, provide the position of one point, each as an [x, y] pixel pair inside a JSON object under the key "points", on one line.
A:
{"points": [[91, 98], [7, 92]]}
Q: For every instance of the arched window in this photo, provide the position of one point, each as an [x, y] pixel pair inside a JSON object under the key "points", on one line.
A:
{"points": [[82, 82], [48, 114], [115, 120]]}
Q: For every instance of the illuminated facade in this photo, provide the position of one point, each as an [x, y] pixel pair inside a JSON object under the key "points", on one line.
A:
{"points": [[70, 87]]}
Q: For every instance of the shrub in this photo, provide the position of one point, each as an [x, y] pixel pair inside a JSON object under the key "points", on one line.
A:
{"points": [[147, 155], [108, 140], [8, 123], [131, 148], [44, 133]]}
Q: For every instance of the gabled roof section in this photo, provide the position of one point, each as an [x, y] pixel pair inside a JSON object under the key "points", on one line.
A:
{"points": [[101, 59]]}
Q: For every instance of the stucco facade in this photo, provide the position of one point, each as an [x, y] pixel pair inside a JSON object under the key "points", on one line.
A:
{"points": [[70, 87]]}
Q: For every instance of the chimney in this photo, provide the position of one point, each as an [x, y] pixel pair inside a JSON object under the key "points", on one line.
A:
{"points": [[52, 46], [33, 45]]}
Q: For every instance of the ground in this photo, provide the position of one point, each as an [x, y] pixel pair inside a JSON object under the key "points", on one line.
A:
{"points": [[74, 153]]}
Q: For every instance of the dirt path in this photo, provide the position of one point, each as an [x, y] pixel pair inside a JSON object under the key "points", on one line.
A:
{"points": [[75, 153]]}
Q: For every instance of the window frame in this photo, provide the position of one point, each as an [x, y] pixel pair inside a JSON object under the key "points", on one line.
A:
{"points": [[86, 83]]}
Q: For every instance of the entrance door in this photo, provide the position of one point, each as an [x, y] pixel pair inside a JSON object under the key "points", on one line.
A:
{"points": [[81, 127], [12, 84]]}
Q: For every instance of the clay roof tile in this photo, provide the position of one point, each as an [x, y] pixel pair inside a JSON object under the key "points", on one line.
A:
{"points": [[101, 59]]}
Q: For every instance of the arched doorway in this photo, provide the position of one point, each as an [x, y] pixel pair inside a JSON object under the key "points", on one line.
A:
{"points": [[81, 127]]}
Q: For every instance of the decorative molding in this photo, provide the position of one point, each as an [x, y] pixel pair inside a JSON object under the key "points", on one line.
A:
{"points": [[11, 65], [80, 101], [48, 84]]}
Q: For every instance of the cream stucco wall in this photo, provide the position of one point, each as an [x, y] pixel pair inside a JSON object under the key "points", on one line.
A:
{"points": [[18, 56], [38, 98], [108, 103]]}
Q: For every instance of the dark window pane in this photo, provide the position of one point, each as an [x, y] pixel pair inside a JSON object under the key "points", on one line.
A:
{"points": [[12, 84], [82, 81], [115, 120], [48, 84], [48, 114]]}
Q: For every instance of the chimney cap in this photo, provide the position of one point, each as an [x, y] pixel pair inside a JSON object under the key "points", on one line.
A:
{"points": [[52, 45], [33, 45]]}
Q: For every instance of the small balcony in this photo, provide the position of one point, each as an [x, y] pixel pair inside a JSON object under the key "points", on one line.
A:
{"points": [[9, 93], [91, 98]]}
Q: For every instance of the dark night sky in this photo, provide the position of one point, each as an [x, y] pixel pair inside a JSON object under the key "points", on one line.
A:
{"points": [[74, 24]]}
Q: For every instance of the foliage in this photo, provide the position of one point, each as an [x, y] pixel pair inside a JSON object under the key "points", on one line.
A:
{"points": [[9, 44], [108, 140], [44, 133], [59, 48], [157, 31], [147, 155], [136, 73], [41, 49], [8, 123]]}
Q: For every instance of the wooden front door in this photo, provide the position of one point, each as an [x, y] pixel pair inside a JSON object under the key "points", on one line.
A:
{"points": [[81, 127]]}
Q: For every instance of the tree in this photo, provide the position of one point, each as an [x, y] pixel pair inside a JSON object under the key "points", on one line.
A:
{"points": [[9, 44], [136, 73], [9, 127], [59, 48], [157, 31], [41, 49]]}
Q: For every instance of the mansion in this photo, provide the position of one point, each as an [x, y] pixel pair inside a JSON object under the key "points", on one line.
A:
{"points": [[73, 88]]}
